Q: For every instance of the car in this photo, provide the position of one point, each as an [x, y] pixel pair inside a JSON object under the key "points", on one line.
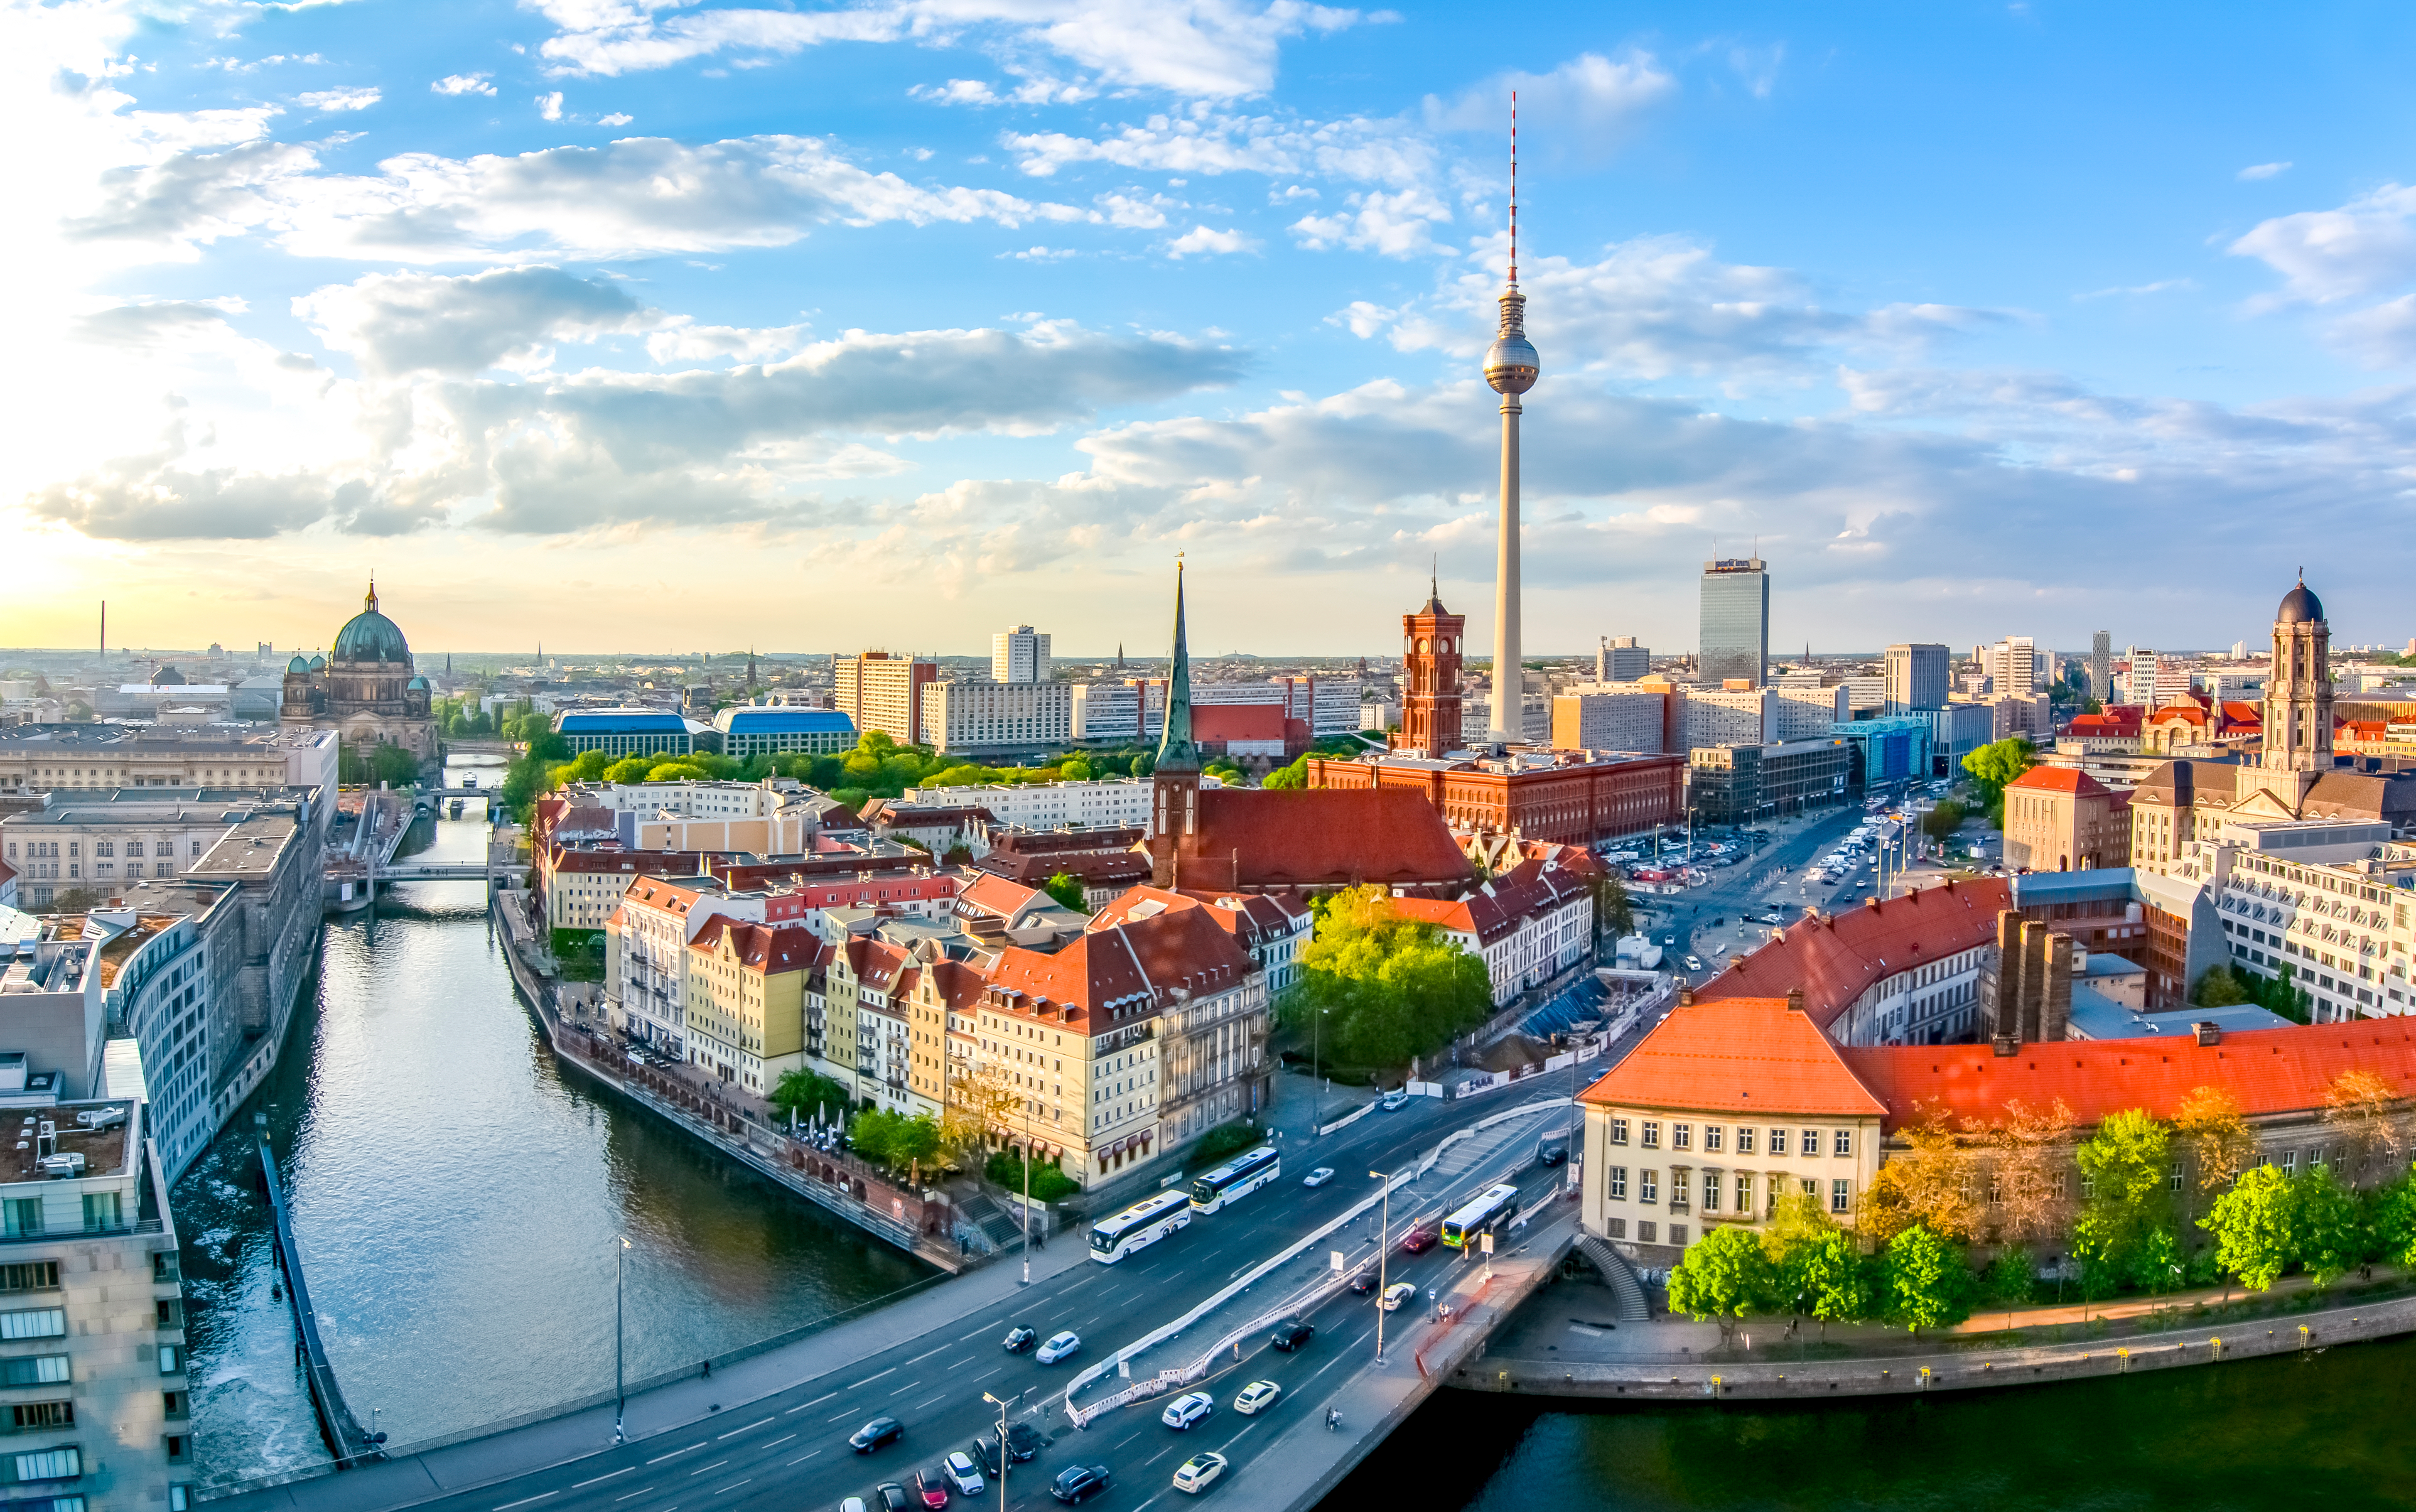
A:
{"points": [[1668, 939], [1059, 1345], [1318, 1177], [1362, 1282], [1419, 1241], [874, 1434], [1079, 1483], [1199, 1473], [1188, 1409], [1023, 1441], [1255, 1396], [931, 1489], [1396, 1293], [891, 1496], [966, 1475], [853, 1503], [1291, 1334], [1554, 1155], [1395, 1099], [1019, 1338], [1772, 918], [1694, 964]]}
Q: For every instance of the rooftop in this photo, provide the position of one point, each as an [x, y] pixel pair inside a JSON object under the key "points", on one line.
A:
{"points": [[103, 1149], [1837, 958], [1749, 1055]]}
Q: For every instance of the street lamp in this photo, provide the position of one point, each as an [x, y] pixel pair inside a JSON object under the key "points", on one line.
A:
{"points": [[1316, 1043], [620, 1387], [1384, 1244], [1027, 1213], [1001, 1407]]}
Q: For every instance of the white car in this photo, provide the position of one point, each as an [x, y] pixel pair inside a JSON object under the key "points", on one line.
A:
{"points": [[1199, 1473], [1059, 1346], [1318, 1177], [1255, 1395], [964, 1474], [1394, 1294], [1188, 1409], [1394, 1098]]}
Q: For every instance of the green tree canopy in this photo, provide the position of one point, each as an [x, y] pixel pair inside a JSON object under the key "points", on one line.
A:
{"points": [[1068, 890], [1927, 1282], [1292, 777], [1725, 1275], [808, 1094], [1995, 765], [2256, 1226], [1391, 988], [2334, 1235]]}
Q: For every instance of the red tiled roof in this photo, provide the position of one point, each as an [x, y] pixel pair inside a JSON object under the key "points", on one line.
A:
{"points": [[1102, 868], [1247, 916], [773, 949], [1836, 958], [2070, 780], [1326, 837], [1747, 1055], [2269, 1070], [1497, 908], [649, 863], [1123, 970]]}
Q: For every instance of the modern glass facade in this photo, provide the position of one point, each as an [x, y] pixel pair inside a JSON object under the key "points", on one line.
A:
{"points": [[1736, 620]]}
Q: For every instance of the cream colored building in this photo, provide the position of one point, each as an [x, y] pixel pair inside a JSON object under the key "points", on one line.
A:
{"points": [[975, 717], [745, 1006], [51, 757], [878, 691]]}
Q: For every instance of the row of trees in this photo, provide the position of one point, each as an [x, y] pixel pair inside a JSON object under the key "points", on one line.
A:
{"points": [[2222, 987], [1387, 987]]}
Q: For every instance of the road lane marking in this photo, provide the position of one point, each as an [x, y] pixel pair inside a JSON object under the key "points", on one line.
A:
{"points": [[735, 1432], [1235, 1439], [1161, 1455], [527, 1500], [734, 1485], [842, 1417], [633, 1494], [983, 1376], [920, 1405], [702, 1469], [816, 1403], [622, 1471], [803, 1457], [871, 1378], [977, 1333], [661, 1457], [928, 1353], [907, 1387], [781, 1439]]}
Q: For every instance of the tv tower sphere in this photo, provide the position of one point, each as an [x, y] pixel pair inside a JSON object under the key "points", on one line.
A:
{"points": [[1510, 362]]}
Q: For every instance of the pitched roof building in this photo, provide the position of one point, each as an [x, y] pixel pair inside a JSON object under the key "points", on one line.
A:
{"points": [[1903, 969]]}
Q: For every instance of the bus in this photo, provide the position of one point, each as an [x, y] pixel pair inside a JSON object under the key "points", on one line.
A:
{"points": [[1236, 1178], [1494, 1206], [1139, 1226]]}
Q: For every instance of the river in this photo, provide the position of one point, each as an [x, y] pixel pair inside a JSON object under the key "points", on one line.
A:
{"points": [[457, 1197]]}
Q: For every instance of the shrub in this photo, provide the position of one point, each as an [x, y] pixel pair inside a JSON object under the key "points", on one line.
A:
{"points": [[1226, 1139]]}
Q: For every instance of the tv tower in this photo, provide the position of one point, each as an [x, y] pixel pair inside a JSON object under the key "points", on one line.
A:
{"points": [[1510, 370]]}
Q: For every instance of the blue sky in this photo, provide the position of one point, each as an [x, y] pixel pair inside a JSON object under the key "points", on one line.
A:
{"points": [[655, 326]]}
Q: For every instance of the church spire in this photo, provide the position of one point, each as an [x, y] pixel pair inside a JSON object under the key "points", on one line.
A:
{"points": [[1178, 751], [370, 602]]}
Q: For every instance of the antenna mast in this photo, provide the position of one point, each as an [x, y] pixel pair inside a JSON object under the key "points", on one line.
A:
{"points": [[1514, 186]]}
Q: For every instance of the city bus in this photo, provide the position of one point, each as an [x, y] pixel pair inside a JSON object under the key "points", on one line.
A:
{"points": [[1494, 1206], [1236, 1178], [1139, 1226]]}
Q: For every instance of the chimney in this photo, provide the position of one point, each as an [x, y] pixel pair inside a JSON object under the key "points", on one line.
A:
{"points": [[1795, 1000], [1685, 994], [2208, 1032], [1872, 904], [2007, 1045]]}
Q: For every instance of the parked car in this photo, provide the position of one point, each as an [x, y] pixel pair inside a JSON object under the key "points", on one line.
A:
{"points": [[1023, 1441], [853, 1503], [1419, 1241], [1318, 1177], [1200, 1472], [1018, 1339], [1255, 1396], [964, 1474], [1059, 1345], [1394, 1098], [1188, 1409], [1079, 1483], [1291, 1334], [1396, 1293], [874, 1434], [891, 1496], [931, 1489]]}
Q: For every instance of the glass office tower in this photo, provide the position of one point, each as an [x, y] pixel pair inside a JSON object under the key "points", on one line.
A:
{"points": [[1736, 621]]}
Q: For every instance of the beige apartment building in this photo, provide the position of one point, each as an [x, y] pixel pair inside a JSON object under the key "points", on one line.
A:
{"points": [[2060, 819], [877, 690], [744, 1003], [44, 758]]}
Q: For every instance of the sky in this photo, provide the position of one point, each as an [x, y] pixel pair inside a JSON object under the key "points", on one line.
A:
{"points": [[638, 326]]}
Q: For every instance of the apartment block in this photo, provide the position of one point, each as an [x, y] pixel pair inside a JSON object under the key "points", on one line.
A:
{"points": [[1620, 659], [745, 1004], [880, 691], [1020, 655], [42, 758], [1745, 715], [975, 717]]}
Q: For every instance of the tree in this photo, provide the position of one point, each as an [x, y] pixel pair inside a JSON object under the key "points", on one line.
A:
{"points": [[1391, 988], [1725, 1275], [1068, 890], [1943, 819], [2011, 1276], [1818, 1265], [982, 1103], [1929, 1185], [2212, 1134], [2218, 986], [2364, 1112], [1613, 914], [2027, 1156], [2127, 1165], [2394, 1222], [2332, 1235], [2255, 1226], [1995, 765], [807, 1094], [1927, 1282], [1289, 778]]}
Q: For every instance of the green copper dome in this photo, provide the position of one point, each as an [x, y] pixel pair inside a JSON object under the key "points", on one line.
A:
{"points": [[369, 636], [297, 665]]}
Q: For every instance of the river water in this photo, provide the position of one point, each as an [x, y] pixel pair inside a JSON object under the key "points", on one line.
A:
{"points": [[457, 1195]]}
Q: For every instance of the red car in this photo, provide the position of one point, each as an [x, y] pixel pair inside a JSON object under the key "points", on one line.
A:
{"points": [[931, 1489], [1419, 1241]]}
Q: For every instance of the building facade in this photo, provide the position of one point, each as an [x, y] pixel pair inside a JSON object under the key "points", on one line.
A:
{"points": [[1916, 678], [366, 689], [1620, 659], [1432, 719], [1020, 655], [968, 716], [750, 729], [2060, 819], [1736, 638], [880, 691]]}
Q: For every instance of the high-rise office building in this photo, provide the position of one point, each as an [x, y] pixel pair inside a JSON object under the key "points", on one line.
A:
{"points": [[1621, 660], [1916, 678], [2012, 664], [1019, 656], [1736, 621]]}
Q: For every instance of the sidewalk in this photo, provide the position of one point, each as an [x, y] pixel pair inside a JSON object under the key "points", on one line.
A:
{"points": [[585, 1429]]}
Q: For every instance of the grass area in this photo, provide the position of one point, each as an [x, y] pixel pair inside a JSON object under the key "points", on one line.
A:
{"points": [[581, 953]]}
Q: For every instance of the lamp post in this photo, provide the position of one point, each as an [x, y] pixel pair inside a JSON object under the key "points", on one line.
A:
{"points": [[1001, 1406], [620, 1387], [1315, 1044], [1384, 1244]]}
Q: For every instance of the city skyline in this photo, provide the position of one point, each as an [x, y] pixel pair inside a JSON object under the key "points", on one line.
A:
{"points": [[954, 316]]}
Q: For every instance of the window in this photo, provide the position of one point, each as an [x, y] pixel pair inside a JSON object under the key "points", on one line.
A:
{"points": [[1615, 1227], [33, 1276], [1619, 1131], [2289, 1162], [1778, 1141], [1617, 1190], [170, 1312], [2177, 1175], [1682, 1136], [34, 1322], [1644, 1233], [1712, 1135], [50, 1464], [1711, 1191], [1744, 1140], [27, 1414], [1678, 1188], [1648, 1189], [180, 1448], [1744, 1193], [171, 1360], [1811, 1145], [33, 1370], [102, 1210], [1651, 1134], [1840, 1195], [1678, 1234]]}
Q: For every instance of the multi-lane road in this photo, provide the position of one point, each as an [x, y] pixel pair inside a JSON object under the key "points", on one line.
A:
{"points": [[790, 1450]]}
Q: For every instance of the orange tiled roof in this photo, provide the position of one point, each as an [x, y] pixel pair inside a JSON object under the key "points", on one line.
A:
{"points": [[1837, 958], [2070, 780], [1126, 969], [1747, 1055], [1326, 837]]}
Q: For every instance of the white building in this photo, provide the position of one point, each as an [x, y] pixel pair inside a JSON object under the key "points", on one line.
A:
{"points": [[977, 717], [1611, 717], [1530, 923], [104, 840], [1019, 656], [645, 956], [1728, 717], [1106, 803], [2325, 900], [2015, 665], [1806, 713], [1106, 713]]}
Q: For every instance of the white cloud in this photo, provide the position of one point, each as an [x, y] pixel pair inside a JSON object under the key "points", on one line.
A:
{"points": [[1033, 91], [462, 83], [1201, 49], [2380, 336], [2160, 286], [2262, 171], [1205, 142], [549, 106], [339, 99], [2364, 247], [1584, 108], [1392, 225], [1203, 240], [616, 118], [1135, 212], [403, 322]]}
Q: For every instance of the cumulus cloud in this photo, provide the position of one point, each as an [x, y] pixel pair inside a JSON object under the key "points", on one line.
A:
{"points": [[462, 83], [403, 322], [1360, 148], [1033, 91], [2260, 171], [635, 196], [1393, 225], [1204, 49], [549, 106], [1583, 109], [2364, 247], [340, 99], [1199, 239]]}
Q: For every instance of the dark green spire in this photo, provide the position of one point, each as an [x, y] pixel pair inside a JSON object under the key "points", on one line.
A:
{"points": [[1178, 751]]}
